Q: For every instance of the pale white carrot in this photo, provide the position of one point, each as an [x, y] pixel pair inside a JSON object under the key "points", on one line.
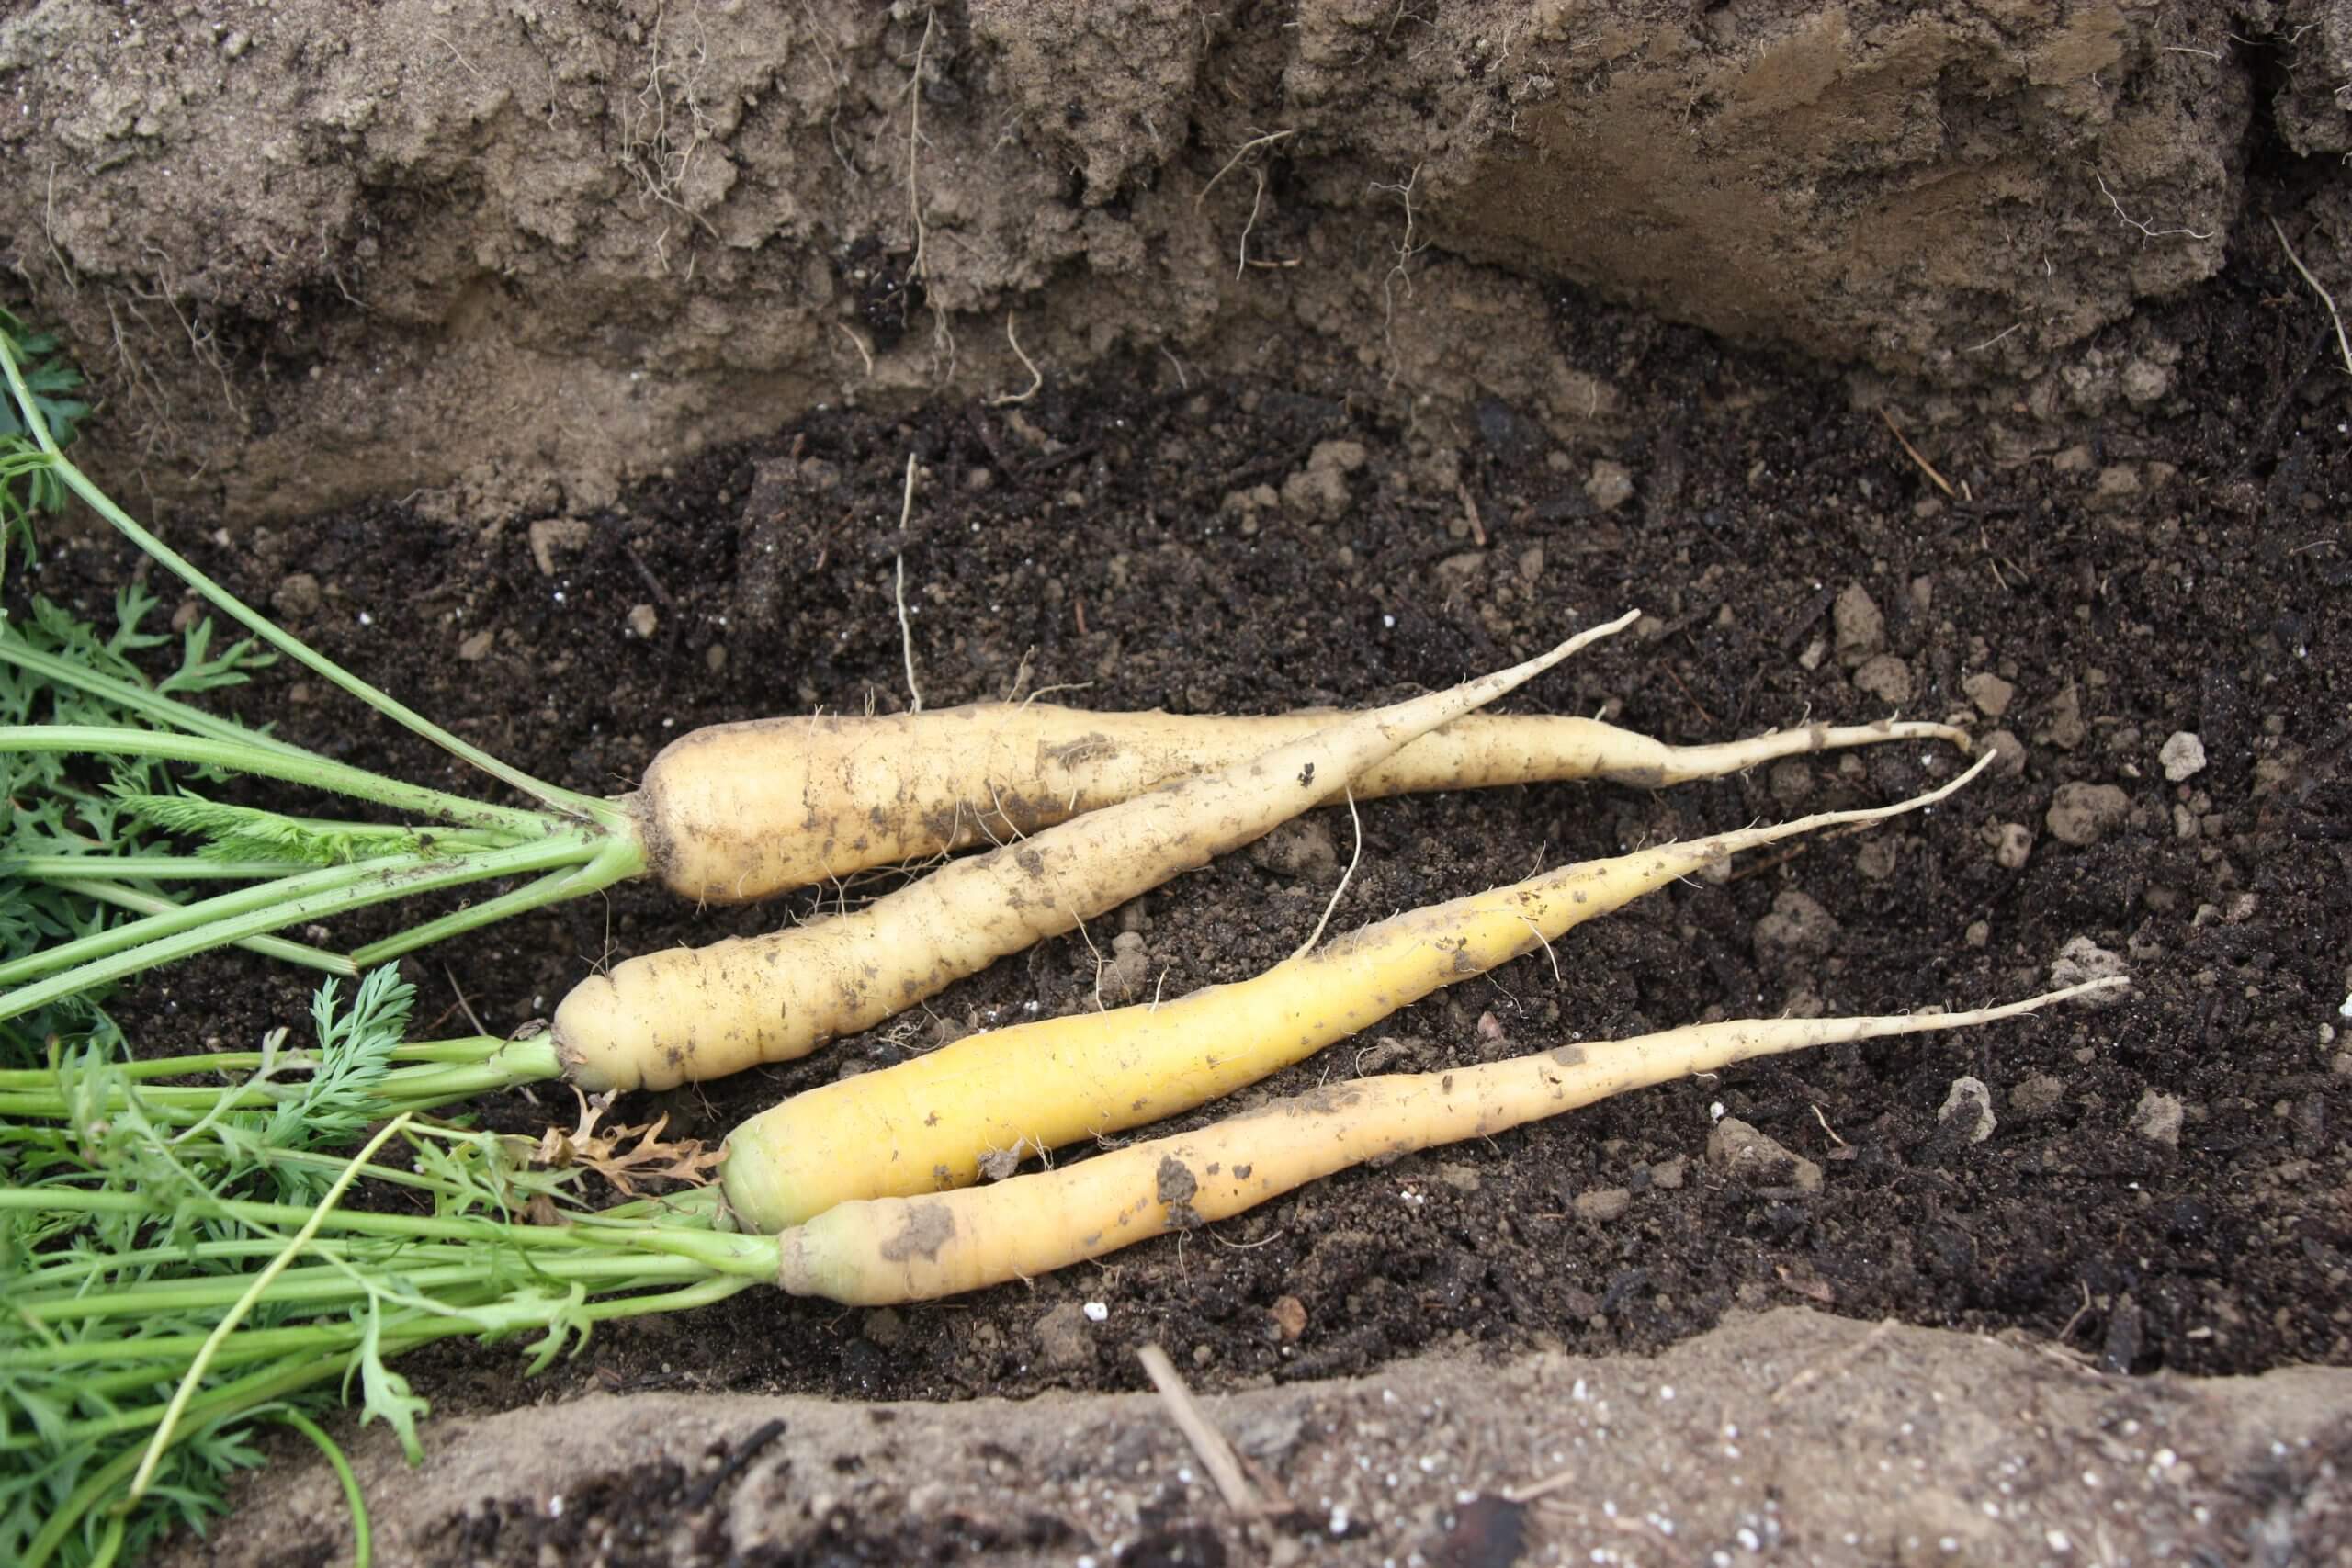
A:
{"points": [[883, 1250], [664, 1018], [742, 811], [931, 1122]]}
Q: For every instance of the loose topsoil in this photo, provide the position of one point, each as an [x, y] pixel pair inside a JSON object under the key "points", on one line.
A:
{"points": [[2166, 1185]]}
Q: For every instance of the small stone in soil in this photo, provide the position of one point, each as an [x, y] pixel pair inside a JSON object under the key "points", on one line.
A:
{"points": [[1610, 487], [2183, 756], [1968, 1105], [2012, 843], [2157, 1118]]}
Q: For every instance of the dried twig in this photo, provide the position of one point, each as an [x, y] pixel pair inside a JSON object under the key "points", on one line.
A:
{"points": [[1216, 1455], [1925, 467]]}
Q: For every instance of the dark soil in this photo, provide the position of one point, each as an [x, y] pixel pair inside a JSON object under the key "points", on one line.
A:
{"points": [[1088, 535]]}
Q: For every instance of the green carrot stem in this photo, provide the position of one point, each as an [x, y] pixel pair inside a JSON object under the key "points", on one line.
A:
{"points": [[148, 903], [260, 627], [642, 1261], [245, 1300], [271, 762], [468, 1050], [617, 859], [157, 868], [336, 891], [181, 917], [363, 1543], [129, 696], [34, 1093]]}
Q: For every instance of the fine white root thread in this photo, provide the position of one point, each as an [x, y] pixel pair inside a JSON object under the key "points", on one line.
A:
{"points": [[915, 269], [1345, 877], [864, 355], [1239, 154], [1405, 250], [906, 628], [1241, 256], [2343, 343], [1546, 941], [2149, 229], [1036, 377]]}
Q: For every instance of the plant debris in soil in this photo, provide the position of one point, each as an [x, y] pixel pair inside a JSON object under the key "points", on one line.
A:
{"points": [[2158, 1185]]}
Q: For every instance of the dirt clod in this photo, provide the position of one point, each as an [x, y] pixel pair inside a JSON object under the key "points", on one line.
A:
{"points": [[1741, 1151], [1610, 485], [1885, 677], [1601, 1204], [2157, 1118], [1064, 1338], [1991, 695], [1797, 927], [2082, 814], [1860, 625]]}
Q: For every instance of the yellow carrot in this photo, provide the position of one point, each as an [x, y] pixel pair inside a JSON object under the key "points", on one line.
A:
{"points": [[884, 1250], [690, 1014], [742, 811], [930, 1123]]}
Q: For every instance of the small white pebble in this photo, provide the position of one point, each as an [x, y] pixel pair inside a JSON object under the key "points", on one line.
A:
{"points": [[2167, 1459], [1096, 1312], [1388, 620], [2058, 1542], [1948, 1543], [555, 1507], [1716, 1111], [1665, 1392], [1749, 1539]]}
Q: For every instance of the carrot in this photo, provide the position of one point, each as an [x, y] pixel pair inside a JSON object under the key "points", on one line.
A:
{"points": [[883, 1250], [934, 1121], [736, 812], [733, 813], [660, 1019]]}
